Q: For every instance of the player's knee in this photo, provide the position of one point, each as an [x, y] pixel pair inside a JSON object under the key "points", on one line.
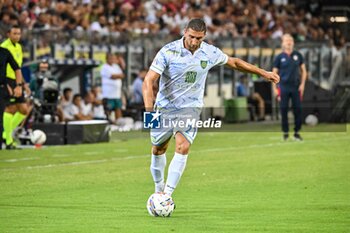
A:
{"points": [[11, 109], [183, 147], [158, 151], [24, 109], [182, 144], [24, 112]]}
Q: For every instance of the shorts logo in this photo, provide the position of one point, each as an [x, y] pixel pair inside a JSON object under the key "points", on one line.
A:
{"points": [[204, 64], [151, 120]]}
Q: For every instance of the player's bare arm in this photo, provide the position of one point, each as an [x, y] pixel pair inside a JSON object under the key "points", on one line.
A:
{"points": [[147, 89], [117, 76], [240, 65], [275, 89], [27, 89], [303, 77], [19, 78]]}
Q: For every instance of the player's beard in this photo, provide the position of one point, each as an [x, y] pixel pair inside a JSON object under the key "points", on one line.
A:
{"points": [[194, 47]]}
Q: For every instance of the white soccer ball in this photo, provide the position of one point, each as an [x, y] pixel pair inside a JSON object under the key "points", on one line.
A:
{"points": [[38, 137], [311, 120], [160, 205]]}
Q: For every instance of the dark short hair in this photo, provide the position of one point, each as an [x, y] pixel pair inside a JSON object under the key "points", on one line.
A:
{"points": [[15, 26], [108, 54], [76, 96], [197, 25], [243, 77], [67, 89], [43, 61]]}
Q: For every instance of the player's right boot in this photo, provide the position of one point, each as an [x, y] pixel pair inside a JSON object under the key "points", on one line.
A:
{"points": [[297, 137]]}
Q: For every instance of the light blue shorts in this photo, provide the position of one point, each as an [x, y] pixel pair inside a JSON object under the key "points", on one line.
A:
{"points": [[173, 122]]}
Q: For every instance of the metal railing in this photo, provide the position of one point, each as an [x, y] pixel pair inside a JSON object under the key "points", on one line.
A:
{"points": [[326, 65]]}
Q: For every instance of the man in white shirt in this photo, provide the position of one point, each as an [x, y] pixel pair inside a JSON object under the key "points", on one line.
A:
{"points": [[74, 110], [98, 111], [111, 76], [64, 104], [182, 67], [87, 104]]}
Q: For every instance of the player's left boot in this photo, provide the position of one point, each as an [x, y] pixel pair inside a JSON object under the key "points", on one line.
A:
{"points": [[297, 137], [12, 146]]}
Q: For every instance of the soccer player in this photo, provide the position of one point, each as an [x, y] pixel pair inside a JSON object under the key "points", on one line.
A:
{"points": [[290, 66], [182, 67], [5, 90], [17, 108]]}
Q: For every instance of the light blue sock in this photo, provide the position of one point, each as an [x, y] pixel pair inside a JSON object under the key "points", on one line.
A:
{"points": [[176, 168], [158, 163]]}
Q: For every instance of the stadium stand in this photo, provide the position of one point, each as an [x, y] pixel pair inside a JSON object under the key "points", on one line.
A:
{"points": [[80, 32]]}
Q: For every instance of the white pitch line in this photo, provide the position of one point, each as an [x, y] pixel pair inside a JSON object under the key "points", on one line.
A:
{"points": [[60, 155], [77, 163], [92, 153], [240, 147], [17, 160], [267, 145], [121, 150]]}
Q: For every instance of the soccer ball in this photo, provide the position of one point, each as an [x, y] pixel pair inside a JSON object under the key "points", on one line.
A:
{"points": [[311, 120], [160, 205], [38, 137]]}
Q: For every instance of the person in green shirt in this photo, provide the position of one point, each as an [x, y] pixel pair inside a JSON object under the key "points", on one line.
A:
{"points": [[17, 108]]}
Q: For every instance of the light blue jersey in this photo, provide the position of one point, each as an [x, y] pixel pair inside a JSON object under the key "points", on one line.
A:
{"points": [[183, 74]]}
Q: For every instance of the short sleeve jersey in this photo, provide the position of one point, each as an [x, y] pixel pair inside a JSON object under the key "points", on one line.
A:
{"points": [[16, 51], [289, 68], [183, 74], [6, 59]]}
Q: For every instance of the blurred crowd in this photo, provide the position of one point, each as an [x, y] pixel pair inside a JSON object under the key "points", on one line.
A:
{"points": [[107, 101], [260, 19]]}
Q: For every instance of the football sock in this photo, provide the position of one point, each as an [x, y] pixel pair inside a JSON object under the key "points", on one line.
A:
{"points": [[8, 127], [176, 168], [17, 119], [158, 163]]}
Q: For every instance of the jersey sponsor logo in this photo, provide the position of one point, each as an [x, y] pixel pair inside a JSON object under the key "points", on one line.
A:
{"points": [[190, 77], [204, 64]]}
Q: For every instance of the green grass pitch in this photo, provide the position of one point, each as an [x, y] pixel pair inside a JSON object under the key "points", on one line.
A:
{"points": [[233, 182]]}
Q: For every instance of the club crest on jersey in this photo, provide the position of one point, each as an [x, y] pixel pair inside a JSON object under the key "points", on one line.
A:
{"points": [[204, 64]]}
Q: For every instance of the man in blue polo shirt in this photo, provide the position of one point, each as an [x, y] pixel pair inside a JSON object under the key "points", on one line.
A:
{"points": [[291, 69]]}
